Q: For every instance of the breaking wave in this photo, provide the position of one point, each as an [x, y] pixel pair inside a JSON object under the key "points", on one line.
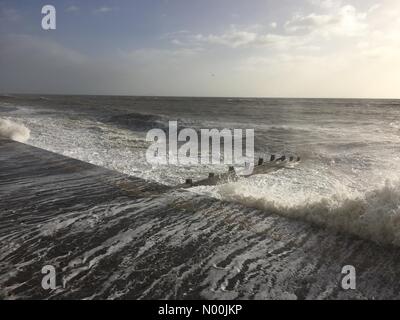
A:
{"points": [[14, 131], [374, 216]]}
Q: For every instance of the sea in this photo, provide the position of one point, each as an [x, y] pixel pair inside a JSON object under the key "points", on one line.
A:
{"points": [[347, 181]]}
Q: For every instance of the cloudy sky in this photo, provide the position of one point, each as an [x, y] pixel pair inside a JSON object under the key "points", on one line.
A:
{"points": [[263, 48]]}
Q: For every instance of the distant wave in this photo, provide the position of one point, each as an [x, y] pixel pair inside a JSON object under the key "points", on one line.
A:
{"points": [[374, 216], [137, 121], [141, 122], [14, 131]]}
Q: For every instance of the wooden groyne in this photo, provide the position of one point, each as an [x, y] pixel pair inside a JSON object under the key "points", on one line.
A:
{"points": [[262, 167]]}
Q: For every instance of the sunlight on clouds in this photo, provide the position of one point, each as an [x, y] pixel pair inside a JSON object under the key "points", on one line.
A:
{"points": [[331, 49], [327, 4], [337, 50], [345, 22], [233, 38]]}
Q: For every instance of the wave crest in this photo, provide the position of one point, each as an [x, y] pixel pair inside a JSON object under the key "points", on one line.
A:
{"points": [[374, 216], [14, 131]]}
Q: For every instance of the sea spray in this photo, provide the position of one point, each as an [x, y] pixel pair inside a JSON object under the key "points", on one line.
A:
{"points": [[14, 131], [374, 216]]}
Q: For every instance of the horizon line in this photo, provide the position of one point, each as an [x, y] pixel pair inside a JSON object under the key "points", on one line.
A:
{"points": [[187, 97]]}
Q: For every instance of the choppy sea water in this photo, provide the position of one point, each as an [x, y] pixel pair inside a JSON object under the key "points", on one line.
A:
{"points": [[347, 180], [350, 149]]}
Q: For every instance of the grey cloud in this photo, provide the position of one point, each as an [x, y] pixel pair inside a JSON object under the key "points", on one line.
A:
{"points": [[33, 65], [9, 14]]}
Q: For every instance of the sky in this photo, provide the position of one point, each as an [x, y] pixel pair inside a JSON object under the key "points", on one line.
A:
{"points": [[229, 48]]}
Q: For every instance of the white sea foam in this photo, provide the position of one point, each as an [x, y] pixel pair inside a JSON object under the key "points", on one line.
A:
{"points": [[340, 182], [14, 131], [374, 215]]}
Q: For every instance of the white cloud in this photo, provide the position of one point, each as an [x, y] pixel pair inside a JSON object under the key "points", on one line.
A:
{"points": [[177, 42], [72, 8], [104, 9], [374, 7], [345, 21], [251, 36], [327, 4], [301, 31], [233, 38]]}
